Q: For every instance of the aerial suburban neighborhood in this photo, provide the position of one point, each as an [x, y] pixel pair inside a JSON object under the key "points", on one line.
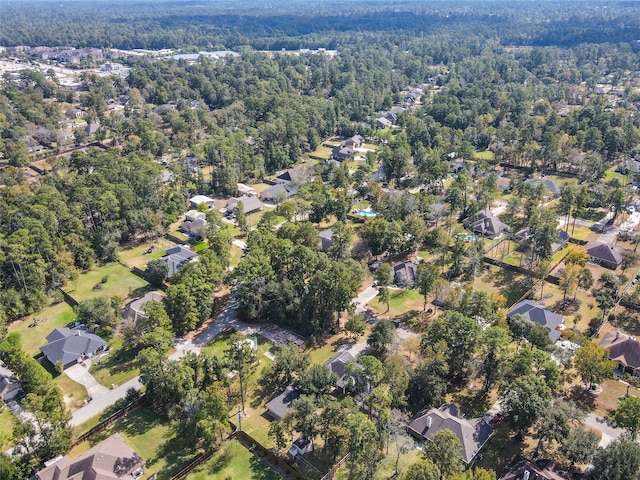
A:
{"points": [[354, 241]]}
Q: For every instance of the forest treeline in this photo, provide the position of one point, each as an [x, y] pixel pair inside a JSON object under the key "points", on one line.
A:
{"points": [[293, 25]]}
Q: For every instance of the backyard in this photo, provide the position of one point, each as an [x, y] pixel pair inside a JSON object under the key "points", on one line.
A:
{"points": [[112, 279], [152, 437], [234, 460], [137, 256]]}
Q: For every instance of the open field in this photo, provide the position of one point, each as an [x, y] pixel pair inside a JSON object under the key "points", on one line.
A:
{"points": [[321, 152], [234, 460], [496, 280], [119, 282], [136, 256], [484, 155], [7, 421], [116, 366], [152, 438], [401, 302], [33, 337]]}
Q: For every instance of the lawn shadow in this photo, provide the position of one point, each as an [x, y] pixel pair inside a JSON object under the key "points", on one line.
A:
{"points": [[582, 398], [177, 452], [260, 469], [629, 323], [118, 361], [503, 446]]}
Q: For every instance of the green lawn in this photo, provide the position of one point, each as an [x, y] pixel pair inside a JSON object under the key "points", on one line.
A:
{"points": [[236, 462], [323, 353], [321, 152], [236, 255], [179, 235], [484, 155], [117, 366], [74, 393], [153, 438], [7, 421], [401, 302], [136, 256], [119, 281], [53, 316]]}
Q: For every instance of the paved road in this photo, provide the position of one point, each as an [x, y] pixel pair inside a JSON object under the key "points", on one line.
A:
{"points": [[608, 431], [98, 405], [239, 243], [365, 297]]}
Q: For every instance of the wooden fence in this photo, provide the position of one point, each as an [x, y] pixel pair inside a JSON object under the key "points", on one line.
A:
{"points": [[108, 421], [68, 298]]}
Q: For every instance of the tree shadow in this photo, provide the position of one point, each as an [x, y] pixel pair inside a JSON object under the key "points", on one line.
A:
{"points": [[582, 398], [629, 323], [472, 402], [177, 452]]}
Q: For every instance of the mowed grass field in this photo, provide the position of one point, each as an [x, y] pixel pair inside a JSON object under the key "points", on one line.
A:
{"points": [[33, 337], [119, 282], [235, 461]]}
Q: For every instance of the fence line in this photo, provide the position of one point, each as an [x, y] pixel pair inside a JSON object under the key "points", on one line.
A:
{"points": [[108, 421]]}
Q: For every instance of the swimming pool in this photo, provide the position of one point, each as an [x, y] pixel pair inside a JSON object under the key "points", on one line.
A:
{"points": [[367, 212], [467, 237]]}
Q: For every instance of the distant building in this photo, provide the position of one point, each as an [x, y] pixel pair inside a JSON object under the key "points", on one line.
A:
{"points": [[292, 176], [552, 187], [486, 223], [250, 204], [135, 309], [278, 191], [326, 239], [201, 199], [194, 224]]}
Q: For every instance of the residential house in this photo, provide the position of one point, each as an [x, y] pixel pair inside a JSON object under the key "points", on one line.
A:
{"points": [[383, 122], [92, 128], [326, 239], [177, 257], [347, 149], [292, 176], [473, 434], [522, 469], [486, 223], [624, 350], [563, 238], [70, 346], [337, 364], [277, 192], [111, 459], [604, 254], [354, 142], [198, 200], [194, 224], [250, 204], [135, 309], [404, 274], [536, 313], [10, 386], [74, 113], [281, 405], [629, 167], [552, 187], [245, 190], [504, 184]]}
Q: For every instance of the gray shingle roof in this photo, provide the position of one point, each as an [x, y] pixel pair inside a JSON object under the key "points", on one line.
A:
{"points": [[68, 345], [176, 258], [280, 406], [538, 314], [473, 434], [250, 204]]}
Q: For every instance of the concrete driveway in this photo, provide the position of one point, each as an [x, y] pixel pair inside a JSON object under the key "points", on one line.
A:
{"points": [[365, 297], [608, 431], [81, 375]]}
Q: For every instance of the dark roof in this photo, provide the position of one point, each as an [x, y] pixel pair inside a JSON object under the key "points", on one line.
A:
{"points": [[487, 223], [610, 255], [337, 365], [538, 314], [111, 459], [540, 470], [271, 192], [622, 349], [136, 307], [629, 166], [404, 273], [473, 434], [326, 239], [280, 406], [194, 227], [177, 257], [68, 345], [563, 239]]}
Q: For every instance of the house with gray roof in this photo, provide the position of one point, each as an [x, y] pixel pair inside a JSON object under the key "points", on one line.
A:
{"points": [[404, 274], [250, 204], [536, 313], [70, 346], [604, 254], [177, 257], [521, 468], [326, 239], [486, 223], [135, 309], [337, 364], [552, 187], [277, 192], [629, 167], [281, 405], [473, 434], [10, 386], [111, 459], [292, 175], [194, 224]]}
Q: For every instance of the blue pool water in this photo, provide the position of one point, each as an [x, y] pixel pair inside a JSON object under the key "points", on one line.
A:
{"points": [[367, 212]]}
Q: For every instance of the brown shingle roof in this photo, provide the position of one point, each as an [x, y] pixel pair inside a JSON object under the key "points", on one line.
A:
{"points": [[622, 349]]}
